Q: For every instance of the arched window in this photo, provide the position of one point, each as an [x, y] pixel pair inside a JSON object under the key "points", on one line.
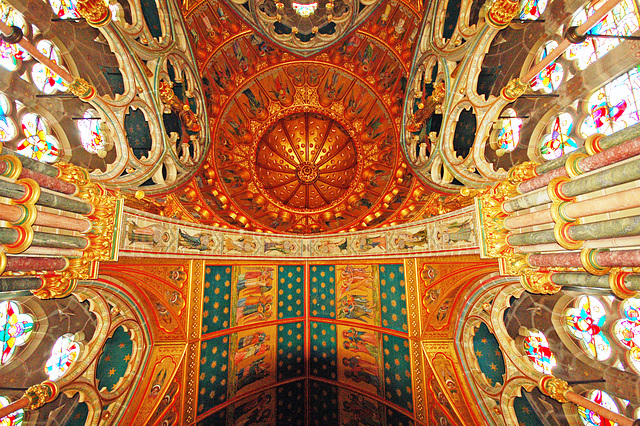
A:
{"points": [[614, 106], [15, 329], [550, 77], [90, 132], [65, 9], [507, 132], [38, 142], [536, 347], [46, 80], [532, 9], [12, 55], [622, 20], [64, 354], [584, 322], [627, 331], [557, 142]]}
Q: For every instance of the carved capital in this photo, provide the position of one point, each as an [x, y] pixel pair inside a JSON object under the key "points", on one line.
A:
{"points": [[502, 12], [513, 90], [40, 394], [82, 89], [539, 282], [555, 388], [96, 12]]}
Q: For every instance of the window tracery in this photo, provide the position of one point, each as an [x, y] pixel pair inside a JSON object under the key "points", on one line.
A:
{"points": [[39, 143], [90, 131], [549, 79], [532, 9], [590, 418], [507, 135], [585, 322], [65, 9], [537, 349], [15, 329], [66, 350], [13, 419]]}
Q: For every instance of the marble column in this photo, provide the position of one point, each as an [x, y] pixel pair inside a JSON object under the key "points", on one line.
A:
{"points": [[585, 280], [19, 283], [33, 165], [48, 199], [15, 213], [26, 263], [45, 239], [43, 180], [605, 259]]}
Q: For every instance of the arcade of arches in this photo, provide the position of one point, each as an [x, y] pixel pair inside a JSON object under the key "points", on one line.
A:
{"points": [[373, 212]]}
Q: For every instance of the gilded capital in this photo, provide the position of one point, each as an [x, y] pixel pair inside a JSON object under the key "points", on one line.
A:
{"points": [[96, 12], [554, 387], [502, 12], [40, 394], [538, 282], [513, 90], [82, 89]]}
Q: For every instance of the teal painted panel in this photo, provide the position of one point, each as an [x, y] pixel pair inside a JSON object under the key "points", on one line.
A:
{"points": [[217, 298], [397, 371], [323, 403], [489, 355], [525, 412], [291, 404], [323, 287], [393, 297], [214, 358], [396, 418], [114, 360], [79, 415], [290, 350], [290, 291], [323, 354]]}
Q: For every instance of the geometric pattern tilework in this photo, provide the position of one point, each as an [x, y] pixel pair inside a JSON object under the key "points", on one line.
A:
{"points": [[290, 350], [323, 404], [396, 418], [290, 291], [323, 354], [322, 291], [397, 371], [217, 291], [291, 410], [524, 411], [114, 360], [392, 297], [213, 372], [489, 355]]}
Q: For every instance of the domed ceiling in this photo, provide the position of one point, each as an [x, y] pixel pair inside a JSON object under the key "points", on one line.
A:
{"points": [[303, 144]]}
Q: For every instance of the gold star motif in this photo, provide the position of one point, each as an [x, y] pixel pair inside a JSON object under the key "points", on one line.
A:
{"points": [[112, 372], [479, 354]]}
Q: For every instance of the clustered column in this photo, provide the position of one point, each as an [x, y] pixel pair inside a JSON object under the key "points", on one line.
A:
{"points": [[542, 226], [55, 225]]}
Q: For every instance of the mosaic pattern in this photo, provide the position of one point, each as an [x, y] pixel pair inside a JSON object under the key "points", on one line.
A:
{"points": [[397, 371], [290, 291], [290, 350], [323, 353], [213, 372], [217, 298]]}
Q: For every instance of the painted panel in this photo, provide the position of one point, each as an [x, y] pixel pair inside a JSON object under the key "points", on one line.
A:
{"points": [[253, 295], [290, 350], [323, 353], [290, 291], [213, 372], [322, 291], [217, 295], [323, 403], [393, 297], [254, 360], [397, 371], [359, 359], [291, 404]]}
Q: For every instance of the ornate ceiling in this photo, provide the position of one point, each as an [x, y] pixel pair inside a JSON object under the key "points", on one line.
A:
{"points": [[303, 144]]}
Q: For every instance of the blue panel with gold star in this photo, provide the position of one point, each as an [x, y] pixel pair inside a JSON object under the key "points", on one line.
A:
{"points": [[219, 418], [397, 371], [214, 357], [290, 291], [396, 418], [323, 403], [489, 355], [322, 291], [393, 297], [291, 404], [323, 354], [114, 360], [217, 298], [79, 415], [524, 411], [290, 350]]}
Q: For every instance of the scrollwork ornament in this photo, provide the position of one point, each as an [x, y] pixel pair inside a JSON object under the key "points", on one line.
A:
{"points": [[539, 282], [555, 388]]}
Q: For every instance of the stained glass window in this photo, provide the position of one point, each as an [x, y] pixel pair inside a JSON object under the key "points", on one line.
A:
{"points": [[65, 9], [15, 329], [532, 9], [90, 133], [614, 106], [509, 131], [12, 55], [64, 353], [8, 128], [45, 79], [627, 330], [558, 142], [622, 20], [39, 143], [585, 322], [537, 349], [590, 418], [13, 419], [550, 77]]}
